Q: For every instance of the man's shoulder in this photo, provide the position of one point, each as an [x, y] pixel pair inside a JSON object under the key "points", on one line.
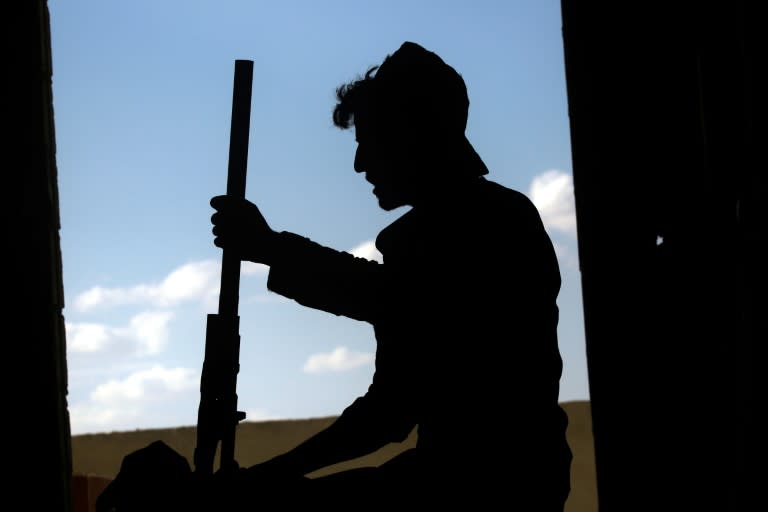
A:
{"points": [[496, 194]]}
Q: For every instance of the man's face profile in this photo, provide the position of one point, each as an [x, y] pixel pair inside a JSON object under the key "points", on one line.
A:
{"points": [[387, 159]]}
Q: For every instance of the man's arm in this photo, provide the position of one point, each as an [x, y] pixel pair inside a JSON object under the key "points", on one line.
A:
{"points": [[326, 279], [342, 284], [372, 421]]}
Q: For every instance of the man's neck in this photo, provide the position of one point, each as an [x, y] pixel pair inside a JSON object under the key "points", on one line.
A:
{"points": [[448, 187]]}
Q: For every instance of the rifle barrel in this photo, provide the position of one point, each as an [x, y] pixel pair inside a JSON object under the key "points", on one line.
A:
{"points": [[217, 416], [229, 293]]}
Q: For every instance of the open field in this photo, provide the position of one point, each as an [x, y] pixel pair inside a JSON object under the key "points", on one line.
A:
{"points": [[100, 455]]}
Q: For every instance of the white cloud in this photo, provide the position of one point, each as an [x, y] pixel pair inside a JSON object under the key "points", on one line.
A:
{"points": [[150, 331], [565, 256], [552, 193], [340, 359], [267, 297], [261, 415], [141, 400], [85, 417], [87, 337], [368, 251], [145, 334], [191, 281], [153, 384], [249, 268]]}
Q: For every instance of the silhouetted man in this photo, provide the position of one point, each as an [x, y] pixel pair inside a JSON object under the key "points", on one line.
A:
{"points": [[463, 308]]}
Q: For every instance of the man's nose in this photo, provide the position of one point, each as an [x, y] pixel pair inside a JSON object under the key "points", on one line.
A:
{"points": [[359, 160]]}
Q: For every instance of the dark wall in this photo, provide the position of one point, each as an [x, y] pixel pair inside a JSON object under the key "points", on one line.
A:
{"points": [[671, 216], [36, 436]]}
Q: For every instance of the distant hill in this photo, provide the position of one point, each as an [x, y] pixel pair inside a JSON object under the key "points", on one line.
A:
{"points": [[101, 454]]}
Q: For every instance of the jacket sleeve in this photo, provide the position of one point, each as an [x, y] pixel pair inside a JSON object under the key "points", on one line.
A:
{"points": [[369, 423], [340, 283], [326, 279], [386, 412], [364, 427]]}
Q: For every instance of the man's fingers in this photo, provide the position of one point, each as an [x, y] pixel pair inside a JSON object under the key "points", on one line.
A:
{"points": [[217, 201], [227, 203]]}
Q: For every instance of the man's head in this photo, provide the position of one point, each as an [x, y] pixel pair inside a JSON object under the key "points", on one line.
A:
{"points": [[409, 114]]}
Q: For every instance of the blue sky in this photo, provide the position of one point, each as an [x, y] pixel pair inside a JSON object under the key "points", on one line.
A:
{"points": [[142, 103]]}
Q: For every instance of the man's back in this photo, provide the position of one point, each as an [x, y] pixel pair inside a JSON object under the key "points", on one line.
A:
{"points": [[475, 329]]}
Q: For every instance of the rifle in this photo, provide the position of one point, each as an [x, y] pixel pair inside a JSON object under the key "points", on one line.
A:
{"points": [[217, 416]]}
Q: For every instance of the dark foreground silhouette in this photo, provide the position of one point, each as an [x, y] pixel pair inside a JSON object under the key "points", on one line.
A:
{"points": [[465, 316]]}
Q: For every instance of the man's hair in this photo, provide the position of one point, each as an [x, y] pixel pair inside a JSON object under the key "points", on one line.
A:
{"points": [[350, 96], [412, 83]]}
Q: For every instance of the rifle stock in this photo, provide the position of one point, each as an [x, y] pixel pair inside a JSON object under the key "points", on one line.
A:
{"points": [[217, 416]]}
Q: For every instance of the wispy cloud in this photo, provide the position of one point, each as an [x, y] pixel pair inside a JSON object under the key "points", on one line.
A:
{"points": [[552, 193], [566, 256], [88, 417], [87, 337], [261, 415], [192, 281], [145, 398], [150, 331], [155, 383], [368, 251], [339, 360], [145, 334], [249, 268], [129, 402]]}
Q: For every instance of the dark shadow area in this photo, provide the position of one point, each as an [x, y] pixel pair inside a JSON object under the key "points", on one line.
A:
{"points": [[35, 434], [671, 212], [99, 456]]}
